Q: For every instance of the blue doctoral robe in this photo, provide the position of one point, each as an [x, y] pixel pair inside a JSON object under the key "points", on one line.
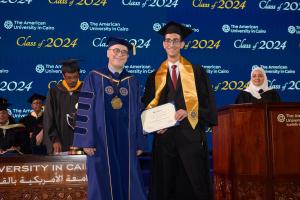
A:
{"points": [[113, 172]]}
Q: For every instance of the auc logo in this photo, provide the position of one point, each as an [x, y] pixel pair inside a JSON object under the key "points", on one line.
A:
{"points": [[39, 68], [281, 118], [294, 29], [226, 28], [157, 26], [84, 26], [8, 24]]}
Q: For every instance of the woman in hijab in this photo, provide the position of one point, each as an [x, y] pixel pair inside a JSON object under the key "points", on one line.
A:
{"points": [[258, 90]]}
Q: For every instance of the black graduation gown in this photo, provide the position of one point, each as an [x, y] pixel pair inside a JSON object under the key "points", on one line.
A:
{"points": [[34, 125], [13, 137], [269, 96], [180, 159], [59, 103]]}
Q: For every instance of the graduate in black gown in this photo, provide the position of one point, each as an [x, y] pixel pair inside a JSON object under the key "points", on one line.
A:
{"points": [[258, 90], [34, 124], [12, 136], [60, 108], [180, 157]]}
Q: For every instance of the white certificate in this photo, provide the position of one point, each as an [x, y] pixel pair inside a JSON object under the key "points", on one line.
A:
{"points": [[159, 117]]}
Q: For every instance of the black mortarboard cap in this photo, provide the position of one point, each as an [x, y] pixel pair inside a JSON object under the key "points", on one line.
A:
{"points": [[35, 96], [70, 65], [115, 40], [174, 27], [4, 104]]}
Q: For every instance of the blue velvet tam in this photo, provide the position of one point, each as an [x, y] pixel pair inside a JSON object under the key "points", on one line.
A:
{"points": [[115, 40]]}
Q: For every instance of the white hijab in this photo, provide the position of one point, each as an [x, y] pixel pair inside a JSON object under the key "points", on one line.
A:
{"points": [[254, 89]]}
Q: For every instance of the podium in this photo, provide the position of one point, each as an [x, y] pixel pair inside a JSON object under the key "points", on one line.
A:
{"points": [[256, 152]]}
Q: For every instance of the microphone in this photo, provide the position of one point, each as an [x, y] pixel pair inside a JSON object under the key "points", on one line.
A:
{"points": [[260, 91]]}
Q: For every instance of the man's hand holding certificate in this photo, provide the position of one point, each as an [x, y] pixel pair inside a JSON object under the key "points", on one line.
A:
{"points": [[159, 117]]}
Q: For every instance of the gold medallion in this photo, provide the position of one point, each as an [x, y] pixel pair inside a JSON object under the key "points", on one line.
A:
{"points": [[116, 103]]}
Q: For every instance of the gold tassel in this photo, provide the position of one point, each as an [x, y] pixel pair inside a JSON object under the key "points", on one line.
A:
{"points": [[133, 49]]}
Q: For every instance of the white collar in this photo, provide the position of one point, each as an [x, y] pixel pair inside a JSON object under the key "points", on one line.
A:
{"points": [[176, 63], [33, 114], [112, 70]]}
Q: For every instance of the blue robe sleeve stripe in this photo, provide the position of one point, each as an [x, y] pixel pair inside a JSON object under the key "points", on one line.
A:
{"points": [[84, 106], [80, 124], [83, 133], [85, 94], [81, 118], [80, 130]]}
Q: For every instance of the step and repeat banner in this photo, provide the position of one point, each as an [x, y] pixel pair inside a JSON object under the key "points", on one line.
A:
{"points": [[230, 37]]}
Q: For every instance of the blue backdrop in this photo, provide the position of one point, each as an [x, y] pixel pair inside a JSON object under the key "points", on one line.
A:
{"points": [[230, 37]]}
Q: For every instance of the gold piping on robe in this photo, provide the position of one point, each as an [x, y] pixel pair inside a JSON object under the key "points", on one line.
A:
{"points": [[71, 89], [11, 126], [33, 114], [114, 80]]}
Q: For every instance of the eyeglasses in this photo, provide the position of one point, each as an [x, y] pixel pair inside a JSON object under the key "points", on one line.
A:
{"points": [[117, 51], [174, 41]]}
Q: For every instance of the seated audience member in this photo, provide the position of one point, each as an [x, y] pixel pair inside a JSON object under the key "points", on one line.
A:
{"points": [[258, 90], [34, 124], [10, 118], [12, 136]]}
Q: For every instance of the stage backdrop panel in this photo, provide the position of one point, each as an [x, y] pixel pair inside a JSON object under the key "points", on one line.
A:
{"points": [[230, 37]]}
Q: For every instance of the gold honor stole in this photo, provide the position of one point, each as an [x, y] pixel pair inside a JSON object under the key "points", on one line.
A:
{"points": [[188, 87], [71, 89], [6, 127]]}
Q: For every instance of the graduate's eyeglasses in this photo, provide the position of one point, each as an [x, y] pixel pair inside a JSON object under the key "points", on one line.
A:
{"points": [[174, 41], [118, 51]]}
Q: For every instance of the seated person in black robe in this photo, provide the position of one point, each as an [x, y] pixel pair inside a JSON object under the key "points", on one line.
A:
{"points": [[34, 124], [12, 136], [258, 90]]}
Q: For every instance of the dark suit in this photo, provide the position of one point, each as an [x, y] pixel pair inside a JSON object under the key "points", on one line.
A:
{"points": [[180, 159]]}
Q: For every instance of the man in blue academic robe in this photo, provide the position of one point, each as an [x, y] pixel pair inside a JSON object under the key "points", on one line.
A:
{"points": [[108, 128]]}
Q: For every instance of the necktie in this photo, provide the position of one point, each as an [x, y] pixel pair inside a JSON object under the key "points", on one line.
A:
{"points": [[174, 75]]}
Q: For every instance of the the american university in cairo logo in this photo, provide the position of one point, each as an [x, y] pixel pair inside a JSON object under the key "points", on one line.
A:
{"points": [[156, 26], [281, 118], [226, 28], [39, 68], [84, 26], [8, 24]]}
